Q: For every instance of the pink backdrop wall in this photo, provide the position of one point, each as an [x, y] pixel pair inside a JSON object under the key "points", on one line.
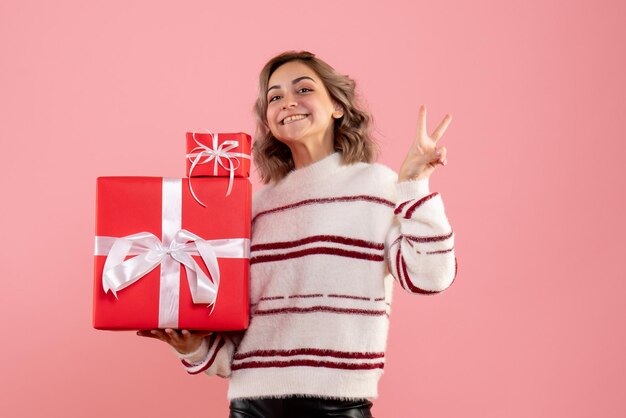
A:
{"points": [[534, 188]]}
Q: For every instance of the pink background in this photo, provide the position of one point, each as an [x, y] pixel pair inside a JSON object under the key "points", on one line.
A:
{"points": [[534, 188]]}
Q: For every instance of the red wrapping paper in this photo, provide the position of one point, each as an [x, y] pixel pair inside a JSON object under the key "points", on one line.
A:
{"points": [[207, 169], [128, 205]]}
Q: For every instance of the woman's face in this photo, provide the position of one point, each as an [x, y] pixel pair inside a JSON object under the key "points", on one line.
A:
{"points": [[299, 108]]}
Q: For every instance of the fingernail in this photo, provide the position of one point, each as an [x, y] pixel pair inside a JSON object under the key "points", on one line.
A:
{"points": [[438, 151]]}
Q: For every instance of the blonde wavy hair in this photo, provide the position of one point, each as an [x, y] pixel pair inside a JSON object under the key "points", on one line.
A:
{"points": [[273, 158]]}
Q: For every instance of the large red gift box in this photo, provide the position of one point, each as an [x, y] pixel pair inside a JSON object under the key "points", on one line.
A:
{"points": [[163, 297], [218, 155]]}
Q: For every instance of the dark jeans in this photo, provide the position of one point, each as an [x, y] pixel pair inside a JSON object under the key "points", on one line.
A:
{"points": [[299, 407]]}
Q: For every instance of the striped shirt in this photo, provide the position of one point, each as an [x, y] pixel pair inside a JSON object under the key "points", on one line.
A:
{"points": [[328, 242]]}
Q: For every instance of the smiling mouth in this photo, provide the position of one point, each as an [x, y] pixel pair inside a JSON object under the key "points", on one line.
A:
{"points": [[293, 118]]}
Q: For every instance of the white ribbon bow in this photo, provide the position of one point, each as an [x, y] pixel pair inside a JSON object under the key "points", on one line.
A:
{"points": [[219, 153], [119, 274]]}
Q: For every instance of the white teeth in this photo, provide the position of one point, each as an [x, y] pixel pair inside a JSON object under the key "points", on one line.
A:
{"points": [[293, 118]]}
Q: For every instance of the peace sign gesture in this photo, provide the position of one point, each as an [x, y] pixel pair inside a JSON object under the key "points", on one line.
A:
{"points": [[424, 155]]}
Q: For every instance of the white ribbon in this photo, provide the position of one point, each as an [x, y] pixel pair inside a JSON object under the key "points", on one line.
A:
{"points": [[219, 153]]}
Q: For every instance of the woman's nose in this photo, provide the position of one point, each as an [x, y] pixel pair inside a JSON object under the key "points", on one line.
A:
{"points": [[289, 102]]}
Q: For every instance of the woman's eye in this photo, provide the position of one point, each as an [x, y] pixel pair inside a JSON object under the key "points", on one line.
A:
{"points": [[272, 99], [305, 88]]}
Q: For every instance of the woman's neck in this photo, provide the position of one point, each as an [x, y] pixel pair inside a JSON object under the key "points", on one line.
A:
{"points": [[304, 155]]}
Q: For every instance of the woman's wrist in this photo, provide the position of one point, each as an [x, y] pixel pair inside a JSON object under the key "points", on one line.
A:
{"points": [[413, 178], [197, 355], [412, 175]]}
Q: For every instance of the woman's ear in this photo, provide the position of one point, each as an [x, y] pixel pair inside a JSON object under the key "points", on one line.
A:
{"points": [[338, 113]]}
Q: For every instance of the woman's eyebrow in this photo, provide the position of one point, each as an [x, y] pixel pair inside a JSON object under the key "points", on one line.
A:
{"points": [[294, 81]]}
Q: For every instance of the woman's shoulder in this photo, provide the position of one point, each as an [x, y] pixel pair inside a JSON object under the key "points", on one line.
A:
{"points": [[258, 198], [267, 196], [374, 172], [372, 179]]}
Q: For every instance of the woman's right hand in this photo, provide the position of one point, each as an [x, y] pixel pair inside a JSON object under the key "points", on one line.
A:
{"points": [[184, 342]]}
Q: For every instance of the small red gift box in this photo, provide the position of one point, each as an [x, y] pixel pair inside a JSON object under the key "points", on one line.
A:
{"points": [[218, 155], [164, 261]]}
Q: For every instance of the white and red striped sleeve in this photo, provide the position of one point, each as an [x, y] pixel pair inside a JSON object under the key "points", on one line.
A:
{"points": [[213, 357], [420, 243]]}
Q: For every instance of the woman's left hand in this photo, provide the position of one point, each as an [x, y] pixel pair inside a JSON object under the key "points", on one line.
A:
{"points": [[424, 155]]}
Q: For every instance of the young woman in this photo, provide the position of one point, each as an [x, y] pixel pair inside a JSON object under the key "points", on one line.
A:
{"points": [[331, 230]]}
